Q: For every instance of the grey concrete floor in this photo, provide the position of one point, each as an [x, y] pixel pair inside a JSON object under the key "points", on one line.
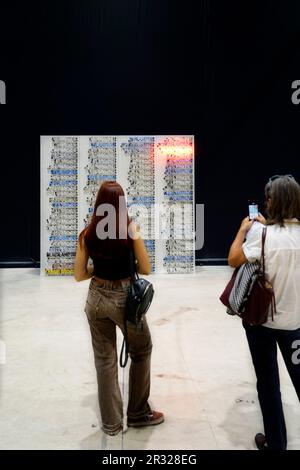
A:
{"points": [[202, 375]]}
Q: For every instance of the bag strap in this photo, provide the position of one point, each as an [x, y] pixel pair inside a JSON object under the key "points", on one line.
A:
{"points": [[125, 346], [133, 269], [264, 234], [273, 302]]}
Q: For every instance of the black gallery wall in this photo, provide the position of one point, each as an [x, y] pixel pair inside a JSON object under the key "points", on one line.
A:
{"points": [[222, 71]]}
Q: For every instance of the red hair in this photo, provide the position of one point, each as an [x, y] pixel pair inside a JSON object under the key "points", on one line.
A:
{"points": [[109, 193]]}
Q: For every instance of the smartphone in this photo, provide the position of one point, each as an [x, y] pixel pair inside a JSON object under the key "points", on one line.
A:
{"points": [[253, 209]]}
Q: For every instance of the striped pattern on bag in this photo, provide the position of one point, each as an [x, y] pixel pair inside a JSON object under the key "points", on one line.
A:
{"points": [[242, 287]]}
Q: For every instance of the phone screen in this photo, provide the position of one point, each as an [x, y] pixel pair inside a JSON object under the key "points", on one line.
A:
{"points": [[253, 210]]}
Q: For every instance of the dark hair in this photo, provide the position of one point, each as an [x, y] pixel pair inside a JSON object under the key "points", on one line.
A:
{"points": [[109, 193], [284, 195]]}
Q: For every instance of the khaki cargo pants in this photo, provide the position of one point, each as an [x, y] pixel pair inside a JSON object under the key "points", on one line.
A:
{"points": [[105, 308]]}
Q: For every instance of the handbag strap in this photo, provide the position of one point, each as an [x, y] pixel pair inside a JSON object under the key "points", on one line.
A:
{"points": [[264, 234], [273, 302], [125, 345], [133, 269]]}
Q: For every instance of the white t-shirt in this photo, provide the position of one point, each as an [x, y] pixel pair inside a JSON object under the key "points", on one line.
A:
{"points": [[282, 260]]}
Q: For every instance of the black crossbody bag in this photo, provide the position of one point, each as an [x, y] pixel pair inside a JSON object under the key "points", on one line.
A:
{"points": [[138, 301]]}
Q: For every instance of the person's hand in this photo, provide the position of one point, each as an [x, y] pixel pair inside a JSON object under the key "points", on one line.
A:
{"points": [[260, 218], [246, 225]]}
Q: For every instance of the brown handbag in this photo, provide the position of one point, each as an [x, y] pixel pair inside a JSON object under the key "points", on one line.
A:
{"points": [[248, 293]]}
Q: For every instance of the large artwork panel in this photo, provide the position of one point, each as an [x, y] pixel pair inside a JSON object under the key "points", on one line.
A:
{"points": [[157, 174]]}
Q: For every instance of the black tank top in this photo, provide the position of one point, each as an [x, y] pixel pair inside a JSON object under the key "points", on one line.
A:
{"points": [[113, 268]]}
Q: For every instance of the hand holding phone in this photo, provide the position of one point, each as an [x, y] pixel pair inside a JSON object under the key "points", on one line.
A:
{"points": [[253, 209]]}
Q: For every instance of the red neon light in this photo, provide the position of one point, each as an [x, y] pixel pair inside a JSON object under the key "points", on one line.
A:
{"points": [[176, 150]]}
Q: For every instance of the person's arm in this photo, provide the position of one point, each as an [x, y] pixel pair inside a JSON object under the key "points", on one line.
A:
{"points": [[81, 269], [141, 255], [236, 255], [260, 218]]}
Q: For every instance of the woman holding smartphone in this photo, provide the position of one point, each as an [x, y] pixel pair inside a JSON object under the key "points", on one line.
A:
{"points": [[105, 307], [282, 257]]}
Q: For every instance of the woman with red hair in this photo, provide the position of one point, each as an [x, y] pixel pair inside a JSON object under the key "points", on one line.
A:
{"points": [[110, 276]]}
